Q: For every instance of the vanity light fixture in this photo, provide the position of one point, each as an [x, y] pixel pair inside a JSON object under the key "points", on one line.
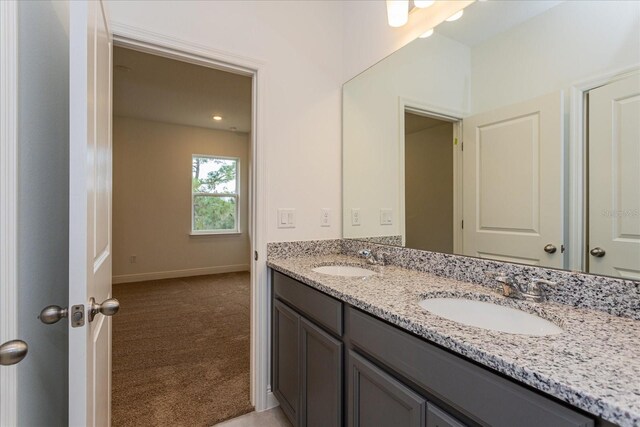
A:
{"points": [[421, 4], [426, 34], [455, 16], [397, 12], [217, 118]]}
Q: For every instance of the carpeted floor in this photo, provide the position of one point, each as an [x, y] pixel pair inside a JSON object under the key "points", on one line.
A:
{"points": [[181, 351]]}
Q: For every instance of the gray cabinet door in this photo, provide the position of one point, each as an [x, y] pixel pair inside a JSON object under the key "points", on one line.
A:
{"points": [[286, 359], [436, 417], [321, 363], [378, 400]]}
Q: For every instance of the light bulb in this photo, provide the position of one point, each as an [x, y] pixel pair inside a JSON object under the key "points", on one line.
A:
{"points": [[426, 34], [397, 12], [421, 4], [455, 16], [217, 118]]}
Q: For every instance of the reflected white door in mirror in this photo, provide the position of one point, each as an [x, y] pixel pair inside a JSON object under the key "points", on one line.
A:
{"points": [[614, 179]]}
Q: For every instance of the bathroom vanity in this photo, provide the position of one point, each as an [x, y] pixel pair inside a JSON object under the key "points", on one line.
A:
{"points": [[360, 351]]}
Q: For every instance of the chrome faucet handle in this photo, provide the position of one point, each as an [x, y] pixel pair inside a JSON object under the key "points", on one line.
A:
{"points": [[366, 253], [507, 286], [536, 290]]}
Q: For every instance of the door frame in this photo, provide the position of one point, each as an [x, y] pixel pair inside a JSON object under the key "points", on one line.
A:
{"points": [[169, 47], [8, 203], [578, 186], [445, 114]]}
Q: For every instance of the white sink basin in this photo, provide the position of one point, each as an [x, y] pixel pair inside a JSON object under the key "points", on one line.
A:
{"points": [[344, 270], [490, 316]]}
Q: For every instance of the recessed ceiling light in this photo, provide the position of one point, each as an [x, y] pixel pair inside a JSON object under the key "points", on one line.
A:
{"points": [[421, 4], [426, 34], [217, 118], [455, 16]]}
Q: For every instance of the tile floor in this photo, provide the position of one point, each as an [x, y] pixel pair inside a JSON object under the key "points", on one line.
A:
{"points": [[271, 418]]}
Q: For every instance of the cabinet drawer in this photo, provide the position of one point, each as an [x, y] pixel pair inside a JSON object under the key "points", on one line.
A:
{"points": [[313, 304], [476, 392]]}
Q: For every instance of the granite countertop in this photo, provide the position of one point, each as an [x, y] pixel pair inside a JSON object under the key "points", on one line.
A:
{"points": [[594, 365]]}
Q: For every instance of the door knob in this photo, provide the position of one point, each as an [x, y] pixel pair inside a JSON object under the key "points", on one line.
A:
{"points": [[550, 249], [12, 352], [52, 314], [597, 252], [109, 307]]}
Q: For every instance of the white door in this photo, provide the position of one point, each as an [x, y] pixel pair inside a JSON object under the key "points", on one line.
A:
{"points": [[614, 179], [89, 212], [513, 198]]}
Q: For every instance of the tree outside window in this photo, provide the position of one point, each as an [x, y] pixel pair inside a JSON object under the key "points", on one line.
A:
{"points": [[214, 189]]}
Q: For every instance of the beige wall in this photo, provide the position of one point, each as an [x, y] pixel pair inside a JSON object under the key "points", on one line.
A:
{"points": [[152, 201], [429, 189]]}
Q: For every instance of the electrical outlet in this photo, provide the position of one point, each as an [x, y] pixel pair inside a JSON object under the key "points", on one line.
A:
{"points": [[386, 217], [133, 259], [286, 218], [355, 216], [325, 217]]}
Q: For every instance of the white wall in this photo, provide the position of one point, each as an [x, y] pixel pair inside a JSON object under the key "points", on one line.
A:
{"points": [[573, 41], [43, 209], [299, 42], [152, 201], [433, 71]]}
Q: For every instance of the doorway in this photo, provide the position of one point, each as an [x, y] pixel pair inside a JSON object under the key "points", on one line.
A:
{"points": [[430, 179], [182, 254]]}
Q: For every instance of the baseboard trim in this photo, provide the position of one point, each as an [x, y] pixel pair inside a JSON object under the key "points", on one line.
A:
{"points": [[173, 274], [272, 402]]}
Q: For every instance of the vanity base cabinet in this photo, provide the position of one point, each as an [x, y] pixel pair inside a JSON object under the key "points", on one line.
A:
{"points": [[285, 360], [376, 399], [321, 364], [306, 359]]}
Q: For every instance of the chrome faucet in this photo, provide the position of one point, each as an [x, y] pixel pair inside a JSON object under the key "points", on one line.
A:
{"points": [[371, 257], [534, 291]]}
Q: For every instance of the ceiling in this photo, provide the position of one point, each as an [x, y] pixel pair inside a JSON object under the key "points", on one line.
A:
{"points": [[156, 88], [483, 20], [415, 123]]}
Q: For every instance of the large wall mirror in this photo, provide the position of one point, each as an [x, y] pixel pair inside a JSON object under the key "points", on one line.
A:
{"points": [[512, 134]]}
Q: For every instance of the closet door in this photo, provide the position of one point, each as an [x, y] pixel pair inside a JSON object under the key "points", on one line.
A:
{"points": [[614, 179], [513, 183]]}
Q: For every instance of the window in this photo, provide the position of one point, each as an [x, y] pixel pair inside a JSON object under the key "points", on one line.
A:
{"points": [[214, 194]]}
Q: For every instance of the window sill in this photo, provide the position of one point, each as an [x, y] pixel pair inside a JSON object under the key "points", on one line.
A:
{"points": [[215, 233]]}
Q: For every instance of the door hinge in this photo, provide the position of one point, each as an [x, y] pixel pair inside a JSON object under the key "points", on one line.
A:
{"points": [[255, 255], [463, 224], [462, 146]]}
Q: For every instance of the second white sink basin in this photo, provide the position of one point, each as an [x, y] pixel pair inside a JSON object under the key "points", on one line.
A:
{"points": [[490, 316], [344, 270]]}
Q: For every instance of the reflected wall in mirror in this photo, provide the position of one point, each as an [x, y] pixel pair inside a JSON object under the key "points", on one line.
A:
{"points": [[511, 134]]}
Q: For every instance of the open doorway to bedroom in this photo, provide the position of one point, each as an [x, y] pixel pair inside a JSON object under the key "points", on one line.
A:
{"points": [[181, 241]]}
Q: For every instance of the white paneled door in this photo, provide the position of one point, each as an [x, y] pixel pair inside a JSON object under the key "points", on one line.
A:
{"points": [[90, 212], [614, 179], [513, 198]]}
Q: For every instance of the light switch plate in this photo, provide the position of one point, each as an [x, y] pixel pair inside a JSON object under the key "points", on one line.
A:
{"points": [[325, 217], [286, 218], [355, 216], [386, 217]]}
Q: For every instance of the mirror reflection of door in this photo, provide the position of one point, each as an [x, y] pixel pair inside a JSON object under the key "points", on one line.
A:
{"points": [[513, 191], [429, 191], [614, 179]]}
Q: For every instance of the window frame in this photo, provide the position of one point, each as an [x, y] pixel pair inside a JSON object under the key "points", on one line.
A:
{"points": [[236, 196]]}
